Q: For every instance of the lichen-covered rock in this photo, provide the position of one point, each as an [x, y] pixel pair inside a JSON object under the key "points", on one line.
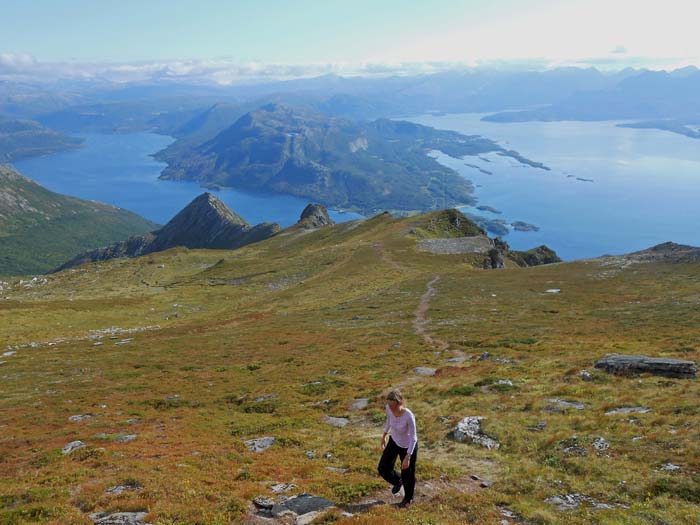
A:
{"points": [[119, 518], [72, 446], [259, 444], [637, 364], [469, 430]]}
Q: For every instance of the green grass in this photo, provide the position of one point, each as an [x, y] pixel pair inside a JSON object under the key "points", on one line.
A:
{"points": [[307, 348]]}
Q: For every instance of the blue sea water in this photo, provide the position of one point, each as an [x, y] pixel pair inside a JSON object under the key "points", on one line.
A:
{"points": [[118, 169], [610, 190]]}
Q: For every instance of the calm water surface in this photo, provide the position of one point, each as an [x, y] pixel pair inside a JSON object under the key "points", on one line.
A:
{"points": [[639, 187], [610, 190], [118, 169]]}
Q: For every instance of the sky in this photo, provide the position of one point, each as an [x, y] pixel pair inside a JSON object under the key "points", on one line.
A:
{"points": [[230, 40]]}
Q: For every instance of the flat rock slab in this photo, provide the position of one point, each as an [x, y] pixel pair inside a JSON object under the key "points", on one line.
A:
{"points": [[359, 404], [259, 444], [469, 430], [119, 518], [574, 500], [638, 364], [73, 446], [79, 417], [302, 504], [127, 438], [568, 404], [628, 410], [119, 489], [424, 371], [339, 422]]}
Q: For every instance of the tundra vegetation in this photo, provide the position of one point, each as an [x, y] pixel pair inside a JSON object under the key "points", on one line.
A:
{"points": [[181, 356]]}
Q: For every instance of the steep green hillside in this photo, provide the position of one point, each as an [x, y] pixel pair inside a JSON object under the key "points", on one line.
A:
{"points": [[174, 360], [369, 166], [40, 229]]}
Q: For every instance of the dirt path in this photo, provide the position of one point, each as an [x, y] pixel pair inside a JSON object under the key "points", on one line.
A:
{"points": [[420, 322]]}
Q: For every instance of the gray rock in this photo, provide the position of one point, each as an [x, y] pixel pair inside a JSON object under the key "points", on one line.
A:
{"points": [[263, 502], [628, 410], [586, 375], [126, 439], [259, 444], [600, 444], [119, 489], [310, 454], [424, 371], [301, 504], [637, 364], [79, 417], [359, 404], [338, 470], [567, 404], [469, 430], [573, 501], [72, 446], [119, 518], [669, 467], [280, 488], [339, 422]]}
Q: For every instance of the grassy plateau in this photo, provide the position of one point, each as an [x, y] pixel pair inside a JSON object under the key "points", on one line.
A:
{"points": [[180, 356]]}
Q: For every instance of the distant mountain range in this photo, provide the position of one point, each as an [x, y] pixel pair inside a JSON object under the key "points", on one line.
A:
{"points": [[40, 229], [21, 139], [364, 166], [669, 100]]}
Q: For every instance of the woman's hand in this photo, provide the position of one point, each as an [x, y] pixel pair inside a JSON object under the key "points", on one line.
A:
{"points": [[383, 441], [406, 462]]}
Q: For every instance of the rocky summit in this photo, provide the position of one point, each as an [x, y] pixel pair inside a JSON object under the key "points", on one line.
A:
{"points": [[204, 223], [315, 216]]}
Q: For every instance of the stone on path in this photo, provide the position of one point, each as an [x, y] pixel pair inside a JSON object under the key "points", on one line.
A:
{"points": [[72, 446], [259, 444], [469, 429], [119, 518], [637, 364], [339, 422], [424, 371]]}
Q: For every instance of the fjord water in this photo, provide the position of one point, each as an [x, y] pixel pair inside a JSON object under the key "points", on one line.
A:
{"points": [[610, 190], [118, 170]]}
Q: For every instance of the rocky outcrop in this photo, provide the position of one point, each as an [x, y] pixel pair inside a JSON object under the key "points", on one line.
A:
{"points": [[469, 430], [315, 216], [535, 256], [204, 223], [637, 364], [668, 252]]}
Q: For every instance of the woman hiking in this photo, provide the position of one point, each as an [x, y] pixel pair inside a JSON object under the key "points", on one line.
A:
{"points": [[400, 427]]}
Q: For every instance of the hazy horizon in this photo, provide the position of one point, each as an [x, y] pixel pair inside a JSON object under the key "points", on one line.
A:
{"points": [[231, 43]]}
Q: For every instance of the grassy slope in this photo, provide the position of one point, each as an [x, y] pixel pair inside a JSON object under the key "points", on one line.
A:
{"points": [[329, 306], [51, 228]]}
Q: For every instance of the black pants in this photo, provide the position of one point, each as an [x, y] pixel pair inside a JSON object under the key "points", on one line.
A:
{"points": [[407, 477]]}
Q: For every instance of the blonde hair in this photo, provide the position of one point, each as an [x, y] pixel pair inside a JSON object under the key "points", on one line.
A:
{"points": [[395, 395]]}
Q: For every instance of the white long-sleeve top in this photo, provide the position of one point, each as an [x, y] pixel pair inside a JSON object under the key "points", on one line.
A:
{"points": [[403, 429]]}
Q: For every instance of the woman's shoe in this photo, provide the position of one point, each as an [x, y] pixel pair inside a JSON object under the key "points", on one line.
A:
{"points": [[405, 504], [396, 488]]}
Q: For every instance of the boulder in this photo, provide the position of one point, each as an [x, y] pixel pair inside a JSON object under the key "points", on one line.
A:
{"points": [[637, 364], [301, 504], [339, 422], [469, 430], [119, 518], [424, 371], [72, 446], [259, 444]]}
